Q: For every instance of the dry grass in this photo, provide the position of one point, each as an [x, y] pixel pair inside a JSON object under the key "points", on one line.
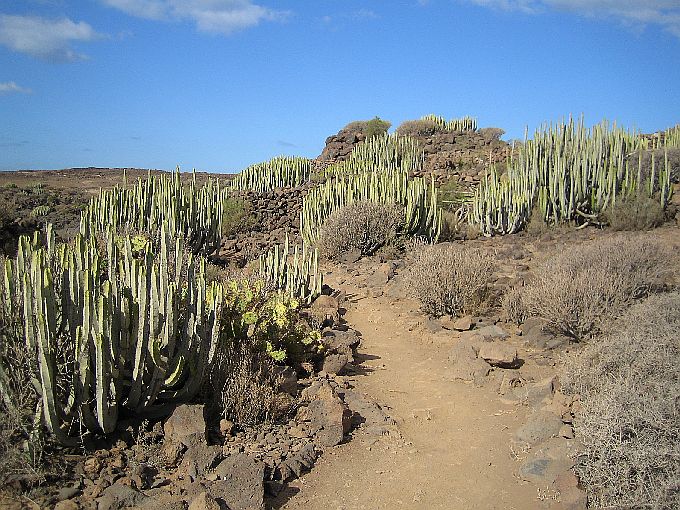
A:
{"points": [[450, 279], [583, 286], [364, 226], [629, 382], [244, 387]]}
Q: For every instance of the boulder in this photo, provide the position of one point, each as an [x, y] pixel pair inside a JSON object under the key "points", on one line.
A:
{"points": [[67, 504], [186, 425], [240, 482], [328, 416], [541, 425], [538, 393], [119, 496], [288, 381], [335, 363], [493, 332], [499, 354], [382, 274], [325, 310], [204, 501], [470, 370], [463, 323], [200, 458]]}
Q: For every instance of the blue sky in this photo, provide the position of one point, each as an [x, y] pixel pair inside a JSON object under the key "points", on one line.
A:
{"points": [[221, 84]]}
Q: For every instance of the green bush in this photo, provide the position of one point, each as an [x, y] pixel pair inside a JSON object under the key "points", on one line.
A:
{"points": [[629, 385], [635, 212], [376, 127], [236, 216], [364, 226]]}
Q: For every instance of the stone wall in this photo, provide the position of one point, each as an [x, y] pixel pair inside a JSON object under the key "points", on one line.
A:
{"points": [[272, 215]]}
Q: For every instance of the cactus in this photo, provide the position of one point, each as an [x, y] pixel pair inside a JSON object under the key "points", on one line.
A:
{"points": [[443, 125], [571, 173], [137, 335], [192, 212], [419, 198], [296, 274], [380, 153], [279, 172], [40, 210]]}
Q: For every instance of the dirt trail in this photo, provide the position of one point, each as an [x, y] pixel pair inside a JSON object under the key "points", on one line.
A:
{"points": [[453, 451]]}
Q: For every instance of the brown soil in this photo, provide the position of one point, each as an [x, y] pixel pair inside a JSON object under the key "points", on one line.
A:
{"points": [[89, 180], [453, 446]]}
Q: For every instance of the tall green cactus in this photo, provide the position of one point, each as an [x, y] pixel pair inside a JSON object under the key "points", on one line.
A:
{"points": [[462, 124], [571, 173], [137, 335], [279, 172], [297, 274], [190, 211], [419, 198], [387, 152]]}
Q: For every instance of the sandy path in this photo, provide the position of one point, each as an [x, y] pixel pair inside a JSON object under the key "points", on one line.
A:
{"points": [[454, 447]]}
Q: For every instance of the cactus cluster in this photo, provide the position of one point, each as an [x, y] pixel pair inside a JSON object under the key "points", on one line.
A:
{"points": [[381, 153], [417, 196], [463, 124], [570, 174], [190, 211], [279, 172], [294, 273], [40, 210], [670, 138], [111, 329]]}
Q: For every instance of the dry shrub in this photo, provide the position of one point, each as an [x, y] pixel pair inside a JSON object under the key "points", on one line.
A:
{"points": [[629, 425], [244, 385], [491, 133], [636, 212], [450, 279], [364, 226], [537, 225], [422, 127], [580, 288]]}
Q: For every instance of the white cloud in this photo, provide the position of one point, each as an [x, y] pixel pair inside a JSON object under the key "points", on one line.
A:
{"points": [[9, 87], [635, 13], [44, 38], [218, 16]]}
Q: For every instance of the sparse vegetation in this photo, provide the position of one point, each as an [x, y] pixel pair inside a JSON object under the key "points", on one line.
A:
{"points": [[245, 386], [376, 127], [450, 279], [635, 212], [362, 226], [419, 127], [580, 288], [431, 124], [629, 385], [236, 216]]}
